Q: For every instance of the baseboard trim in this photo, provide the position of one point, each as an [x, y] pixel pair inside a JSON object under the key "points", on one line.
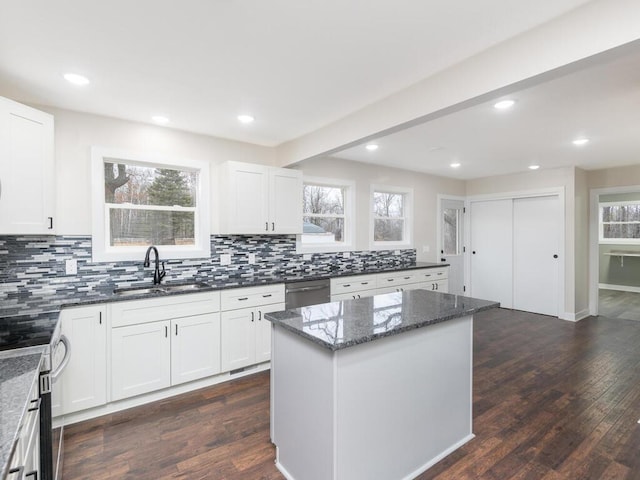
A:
{"points": [[620, 288], [575, 317]]}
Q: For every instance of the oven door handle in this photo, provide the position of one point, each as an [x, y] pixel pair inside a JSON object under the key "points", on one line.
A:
{"points": [[67, 356]]}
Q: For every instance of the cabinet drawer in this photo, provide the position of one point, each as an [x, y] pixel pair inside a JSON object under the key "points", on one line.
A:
{"points": [[163, 308], [352, 284], [385, 280], [432, 274], [247, 297]]}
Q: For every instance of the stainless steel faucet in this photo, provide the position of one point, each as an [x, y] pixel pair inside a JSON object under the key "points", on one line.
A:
{"points": [[157, 274]]}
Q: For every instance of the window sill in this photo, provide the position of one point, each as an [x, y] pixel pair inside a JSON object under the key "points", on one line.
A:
{"points": [[322, 248], [390, 246], [138, 253]]}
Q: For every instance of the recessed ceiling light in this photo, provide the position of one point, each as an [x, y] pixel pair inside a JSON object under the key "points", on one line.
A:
{"points": [[245, 119], [76, 79], [534, 167], [504, 104], [580, 141], [161, 119], [372, 147], [455, 165]]}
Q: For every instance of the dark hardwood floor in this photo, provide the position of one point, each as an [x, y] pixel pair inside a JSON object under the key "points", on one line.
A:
{"points": [[552, 400], [617, 304]]}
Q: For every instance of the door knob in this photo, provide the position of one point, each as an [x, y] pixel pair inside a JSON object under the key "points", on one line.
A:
{"points": [[474, 252], [555, 256]]}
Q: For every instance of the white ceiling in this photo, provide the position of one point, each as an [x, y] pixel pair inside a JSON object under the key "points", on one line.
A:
{"points": [[296, 65], [600, 102]]}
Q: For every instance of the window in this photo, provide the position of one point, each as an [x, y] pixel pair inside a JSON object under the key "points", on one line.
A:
{"points": [[391, 215], [620, 222], [138, 203], [450, 231], [327, 215]]}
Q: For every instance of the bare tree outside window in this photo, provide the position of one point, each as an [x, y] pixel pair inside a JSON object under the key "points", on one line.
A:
{"points": [[323, 213], [150, 206], [450, 244], [620, 221], [388, 216]]}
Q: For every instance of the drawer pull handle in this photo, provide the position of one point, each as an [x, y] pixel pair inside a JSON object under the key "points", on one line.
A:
{"points": [[407, 278], [364, 283], [19, 471], [439, 273], [37, 407], [34, 474], [266, 296], [390, 279], [346, 285], [243, 298]]}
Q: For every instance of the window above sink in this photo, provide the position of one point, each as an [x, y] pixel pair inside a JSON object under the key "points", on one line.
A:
{"points": [[141, 200]]}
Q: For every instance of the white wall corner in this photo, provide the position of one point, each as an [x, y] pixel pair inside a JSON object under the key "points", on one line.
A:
{"points": [[575, 317]]}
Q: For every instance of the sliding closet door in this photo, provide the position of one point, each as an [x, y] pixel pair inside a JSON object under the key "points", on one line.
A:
{"points": [[536, 247], [492, 251]]}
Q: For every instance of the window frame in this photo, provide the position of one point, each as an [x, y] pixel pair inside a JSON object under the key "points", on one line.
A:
{"points": [[103, 252], [349, 217], [407, 232], [601, 223]]}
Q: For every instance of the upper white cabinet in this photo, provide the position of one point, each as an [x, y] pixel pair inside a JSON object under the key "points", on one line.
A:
{"points": [[259, 199], [26, 170]]}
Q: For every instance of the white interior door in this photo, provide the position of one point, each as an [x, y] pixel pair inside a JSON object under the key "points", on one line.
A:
{"points": [[491, 226], [451, 246], [536, 262]]}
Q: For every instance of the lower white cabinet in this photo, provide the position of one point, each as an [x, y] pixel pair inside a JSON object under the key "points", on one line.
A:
{"points": [[140, 359], [354, 295], [83, 383], [156, 355], [195, 347], [246, 336]]}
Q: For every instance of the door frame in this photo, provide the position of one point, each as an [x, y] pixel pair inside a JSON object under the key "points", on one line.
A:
{"points": [[594, 257], [542, 192], [440, 197]]}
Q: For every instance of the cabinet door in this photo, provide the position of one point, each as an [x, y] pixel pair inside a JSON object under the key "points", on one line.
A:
{"points": [[140, 359], [26, 170], [285, 201], [247, 202], [195, 347], [238, 338], [263, 332], [84, 380]]}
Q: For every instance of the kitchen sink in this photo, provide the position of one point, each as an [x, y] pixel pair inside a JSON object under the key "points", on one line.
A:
{"points": [[158, 289]]}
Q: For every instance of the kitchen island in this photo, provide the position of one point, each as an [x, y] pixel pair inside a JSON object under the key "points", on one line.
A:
{"points": [[374, 388]]}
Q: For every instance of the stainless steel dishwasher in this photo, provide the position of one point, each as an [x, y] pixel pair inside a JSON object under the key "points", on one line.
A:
{"points": [[307, 292]]}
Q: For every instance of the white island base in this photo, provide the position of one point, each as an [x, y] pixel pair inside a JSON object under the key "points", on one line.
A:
{"points": [[383, 410]]}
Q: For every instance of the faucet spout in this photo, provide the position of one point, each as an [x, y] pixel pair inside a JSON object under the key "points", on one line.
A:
{"points": [[158, 275]]}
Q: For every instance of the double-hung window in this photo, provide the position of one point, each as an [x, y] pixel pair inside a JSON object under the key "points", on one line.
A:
{"points": [[139, 202], [391, 216], [620, 222], [327, 215]]}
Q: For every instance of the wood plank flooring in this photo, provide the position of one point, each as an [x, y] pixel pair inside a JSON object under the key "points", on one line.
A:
{"points": [[617, 304], [552, 400]]}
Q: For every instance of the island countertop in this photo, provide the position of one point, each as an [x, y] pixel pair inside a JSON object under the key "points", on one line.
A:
{"points": [[343, 324]]}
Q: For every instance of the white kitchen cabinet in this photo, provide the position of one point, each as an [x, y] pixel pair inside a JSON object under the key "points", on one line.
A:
{"points": [[140, 359], [160, 342], [246, 335], [195, 351], [258, 199], [27, 170], [83, 383], [357, 286]]}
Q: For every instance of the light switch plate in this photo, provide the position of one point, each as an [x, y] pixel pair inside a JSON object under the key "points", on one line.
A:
{"points": [[225, 259], [306, 256], [396, 252], [252, 258], [346, 254], [71, 266]]}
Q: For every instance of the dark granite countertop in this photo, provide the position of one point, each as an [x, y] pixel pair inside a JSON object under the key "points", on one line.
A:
{"points": [[18, 371], [338, 325]]}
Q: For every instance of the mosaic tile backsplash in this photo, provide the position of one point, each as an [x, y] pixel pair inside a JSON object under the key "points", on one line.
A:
{"points": [[34, 266]]}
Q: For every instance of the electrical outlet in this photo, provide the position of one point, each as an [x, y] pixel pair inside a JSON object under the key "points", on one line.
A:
{"points": [[306, 256], [426, 248], [396, 252], [346, 254], [71, 266], [225, 259], [252, 258]]}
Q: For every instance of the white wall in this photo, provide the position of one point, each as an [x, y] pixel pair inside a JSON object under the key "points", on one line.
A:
{"points": [[594, 28], [76, 133], [425, 191]]}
